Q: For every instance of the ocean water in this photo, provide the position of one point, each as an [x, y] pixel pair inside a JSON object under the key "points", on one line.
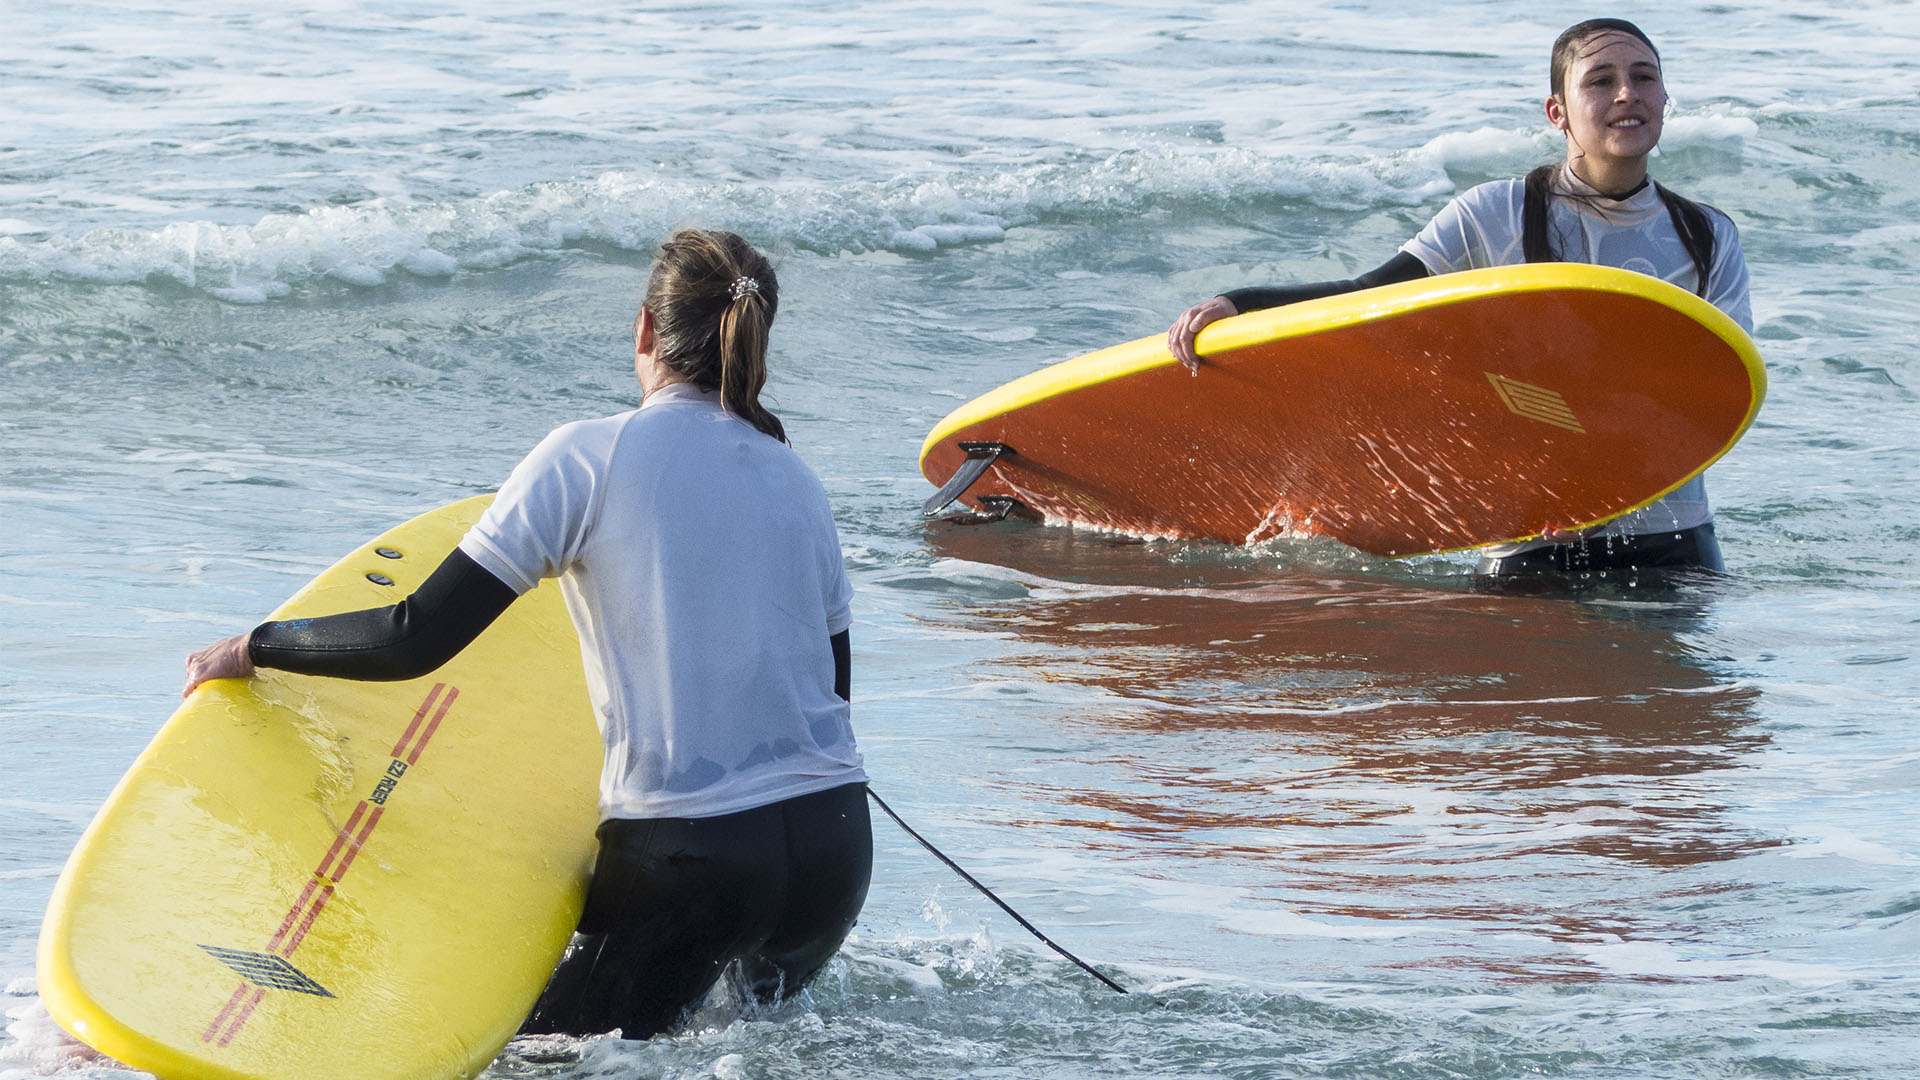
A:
{"points": [[271, 281]]}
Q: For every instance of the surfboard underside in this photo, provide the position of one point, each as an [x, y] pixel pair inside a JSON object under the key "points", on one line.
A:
{"points": [[1447, 414]]}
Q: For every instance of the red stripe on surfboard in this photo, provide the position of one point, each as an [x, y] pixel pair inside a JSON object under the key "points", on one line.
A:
{"points": [[347, 844], [241, 1020], [433, 725], [306, 924], [359, 842], [213, 1029], [293, 915], [419, 715], [345, 834]]}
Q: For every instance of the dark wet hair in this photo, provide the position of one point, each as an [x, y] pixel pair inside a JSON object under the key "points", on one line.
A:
{"points": [[1690, 219], [713, 298], [1568, 44]]}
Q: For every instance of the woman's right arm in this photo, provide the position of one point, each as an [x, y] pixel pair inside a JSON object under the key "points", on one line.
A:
{"points": [[458, 600], [1402, 267], [533, 530]]}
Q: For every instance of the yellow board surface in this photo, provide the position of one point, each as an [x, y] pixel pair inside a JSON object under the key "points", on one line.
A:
{"points": [[1434, 415], [320, 878]]}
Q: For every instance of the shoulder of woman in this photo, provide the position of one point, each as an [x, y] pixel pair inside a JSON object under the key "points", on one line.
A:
{"points": [[576, 442], [575, 432], [1722, 221], [1494, 191], [1720, 218], [1479, 200]]}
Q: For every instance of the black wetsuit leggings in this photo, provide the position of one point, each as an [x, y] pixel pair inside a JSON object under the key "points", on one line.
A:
{"points": [[675, 900], [1687, 548]]}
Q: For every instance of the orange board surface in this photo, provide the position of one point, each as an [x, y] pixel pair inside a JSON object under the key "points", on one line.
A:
{"points": [[1436, 415]]}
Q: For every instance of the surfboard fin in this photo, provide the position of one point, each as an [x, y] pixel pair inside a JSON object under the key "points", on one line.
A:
{"points": [[979, 456], [999, 507]]}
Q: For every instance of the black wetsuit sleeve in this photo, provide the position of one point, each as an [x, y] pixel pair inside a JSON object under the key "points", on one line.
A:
{"points": [[843, 665], [456, 602], [1402, 267]]}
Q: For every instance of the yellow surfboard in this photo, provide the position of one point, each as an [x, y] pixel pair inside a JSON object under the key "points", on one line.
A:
{"points": [[319, 878], [1435, 415]]}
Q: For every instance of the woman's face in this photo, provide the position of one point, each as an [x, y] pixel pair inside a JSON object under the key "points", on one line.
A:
{"points": [[1614, 98]]}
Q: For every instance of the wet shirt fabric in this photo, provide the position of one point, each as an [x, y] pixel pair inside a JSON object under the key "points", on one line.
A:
{"points": [[1482, 227], [699, 560]]}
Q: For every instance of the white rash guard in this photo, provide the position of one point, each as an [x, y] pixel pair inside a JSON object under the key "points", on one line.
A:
{"points": [[699, 560]]}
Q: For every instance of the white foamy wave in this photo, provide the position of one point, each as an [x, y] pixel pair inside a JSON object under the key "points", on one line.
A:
{"points": [[366, 244], [1492, 150], [39, 1047], [1893, 239], [1692, 130]]}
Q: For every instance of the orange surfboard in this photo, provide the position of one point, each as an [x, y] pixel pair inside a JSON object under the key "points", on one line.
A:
{"points": [[1436, 415]]}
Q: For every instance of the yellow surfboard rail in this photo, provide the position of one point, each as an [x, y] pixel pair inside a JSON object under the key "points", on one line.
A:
{"points": [[1309, 318], [304, 878]]}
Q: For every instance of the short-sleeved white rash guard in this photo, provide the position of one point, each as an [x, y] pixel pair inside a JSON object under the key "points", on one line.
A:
{"points": [[1482, 227], [699, 561]]}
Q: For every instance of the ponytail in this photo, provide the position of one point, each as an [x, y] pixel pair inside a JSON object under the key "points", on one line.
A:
{"points": [[744, 326], [713, 299]]}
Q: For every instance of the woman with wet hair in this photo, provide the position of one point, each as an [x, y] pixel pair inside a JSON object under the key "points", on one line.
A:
{"points": [[1597, 205], [699, 561]]}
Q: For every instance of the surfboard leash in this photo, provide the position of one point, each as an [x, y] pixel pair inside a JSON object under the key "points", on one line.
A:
{"points": [[988, 893]]}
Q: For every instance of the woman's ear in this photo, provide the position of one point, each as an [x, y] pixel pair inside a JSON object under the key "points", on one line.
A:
{"points": [[1557, 114], [643, 334]]}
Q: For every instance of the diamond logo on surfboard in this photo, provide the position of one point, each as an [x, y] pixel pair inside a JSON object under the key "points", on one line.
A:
{"points": [[1535, 402], [267, 970]]}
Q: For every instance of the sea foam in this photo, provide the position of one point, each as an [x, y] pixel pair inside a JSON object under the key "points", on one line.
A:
{"points": [[368, 243], [365, 245], [39, 1047]]}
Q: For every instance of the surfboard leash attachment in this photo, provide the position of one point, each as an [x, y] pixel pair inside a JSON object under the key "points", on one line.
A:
{"points": [[988, 893], [980, 456]]}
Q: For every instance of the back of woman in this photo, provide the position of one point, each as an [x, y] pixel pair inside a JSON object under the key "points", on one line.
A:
{"points": [[700, 563]]}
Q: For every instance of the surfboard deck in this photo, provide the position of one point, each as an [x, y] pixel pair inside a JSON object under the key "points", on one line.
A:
{"points": [[1437, 415], [320, 878]]}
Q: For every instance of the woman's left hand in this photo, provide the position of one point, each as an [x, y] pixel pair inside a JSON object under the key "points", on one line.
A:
{"points": [[225, 659]]}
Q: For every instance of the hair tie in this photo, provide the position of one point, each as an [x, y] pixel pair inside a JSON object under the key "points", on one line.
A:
{"points": [[743, 286]]}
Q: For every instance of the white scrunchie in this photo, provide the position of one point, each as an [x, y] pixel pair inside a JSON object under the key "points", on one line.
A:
{"points": [[743, 286]]}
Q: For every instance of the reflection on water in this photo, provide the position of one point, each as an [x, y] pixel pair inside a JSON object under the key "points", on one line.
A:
{"points": [[1362, 742]]}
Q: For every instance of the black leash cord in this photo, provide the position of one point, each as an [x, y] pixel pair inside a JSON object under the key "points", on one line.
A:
{"points": [[988, 893]]}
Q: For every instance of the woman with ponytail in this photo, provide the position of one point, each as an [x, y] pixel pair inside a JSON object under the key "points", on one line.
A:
{"points": [[699, 560], [1598, 205]]}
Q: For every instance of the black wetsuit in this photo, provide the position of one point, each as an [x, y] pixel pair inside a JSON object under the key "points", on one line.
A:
{"points": [[673, 901], [1402, 267], [1617, 556]]}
